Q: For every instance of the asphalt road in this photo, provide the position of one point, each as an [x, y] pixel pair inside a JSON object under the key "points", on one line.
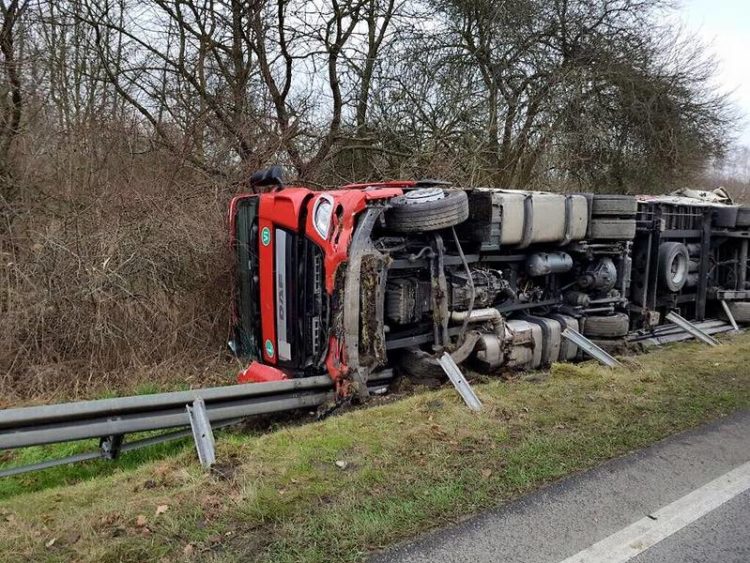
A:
{"points": [[722, 535], [598, 508]]}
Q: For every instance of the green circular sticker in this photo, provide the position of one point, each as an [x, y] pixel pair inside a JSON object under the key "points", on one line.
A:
{"points": [[265, 236], [269, 348]]}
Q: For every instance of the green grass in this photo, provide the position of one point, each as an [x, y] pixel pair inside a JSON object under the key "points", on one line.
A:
{"points": [[73, 473], [412, 464], [68, 474]]}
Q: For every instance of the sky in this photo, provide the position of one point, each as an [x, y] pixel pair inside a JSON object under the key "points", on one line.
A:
{"points": [[724, 25]]}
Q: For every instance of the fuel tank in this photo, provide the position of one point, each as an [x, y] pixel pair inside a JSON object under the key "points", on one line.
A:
{"points": [[520, 218]]}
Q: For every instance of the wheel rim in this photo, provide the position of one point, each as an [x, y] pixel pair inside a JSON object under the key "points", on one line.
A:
{"points": [[421, 195], [678, 269]]}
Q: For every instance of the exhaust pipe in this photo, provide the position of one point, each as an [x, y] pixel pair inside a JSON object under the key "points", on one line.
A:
{"points": [[489, 314]]}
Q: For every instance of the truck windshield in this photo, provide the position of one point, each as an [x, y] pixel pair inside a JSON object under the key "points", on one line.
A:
{"points": [[247, 298], [300, 300]]}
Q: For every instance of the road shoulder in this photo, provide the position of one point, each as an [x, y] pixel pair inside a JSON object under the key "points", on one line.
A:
{"points": [[569, 516]]}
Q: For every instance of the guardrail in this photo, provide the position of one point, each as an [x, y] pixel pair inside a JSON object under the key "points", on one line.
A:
{"points": [[195, 412], [111, 420], [48, 424]]}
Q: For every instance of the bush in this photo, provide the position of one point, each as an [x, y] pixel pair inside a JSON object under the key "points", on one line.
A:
{"points": [[113, 259]]}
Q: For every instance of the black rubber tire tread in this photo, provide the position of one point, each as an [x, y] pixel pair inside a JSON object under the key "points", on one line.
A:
{"points": [[743, 216], [740, 311], [616, 205], [419, 364], [428, 215], [725, 217], [607, 326], [612, 229], [668, 253]]}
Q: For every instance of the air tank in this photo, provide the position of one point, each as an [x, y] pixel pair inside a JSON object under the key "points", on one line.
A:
{"points": [[544, 263]]}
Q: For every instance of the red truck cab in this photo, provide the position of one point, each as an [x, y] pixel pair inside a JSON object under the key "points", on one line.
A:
{"points": [[291, 248]]}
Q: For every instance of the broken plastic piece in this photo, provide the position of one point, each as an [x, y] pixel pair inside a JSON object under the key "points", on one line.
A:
{"points": [[260, 373]]}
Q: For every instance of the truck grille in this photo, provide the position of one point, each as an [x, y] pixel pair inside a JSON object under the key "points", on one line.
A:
{"points": [[301, 301]]}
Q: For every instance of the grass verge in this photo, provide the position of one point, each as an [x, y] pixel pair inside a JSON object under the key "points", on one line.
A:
{"points": [[402, 468]]}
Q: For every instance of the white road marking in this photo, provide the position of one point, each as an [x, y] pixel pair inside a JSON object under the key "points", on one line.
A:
{"points": [[647, 532]]}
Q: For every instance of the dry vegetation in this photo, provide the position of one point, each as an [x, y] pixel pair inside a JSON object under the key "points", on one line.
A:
{"points": [[409, 465], [115, 272], [731, 172], [126, 126]]}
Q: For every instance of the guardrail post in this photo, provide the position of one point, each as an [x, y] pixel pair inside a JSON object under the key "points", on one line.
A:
{"points": [[590, 348], [202, 433], [729, 314], [110, 446], [459, 382], [689, 327]]}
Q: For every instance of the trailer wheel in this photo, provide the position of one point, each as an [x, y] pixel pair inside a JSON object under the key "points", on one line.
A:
{"points": [[617, 205], [674, 263], [428, 209], [612, 229], [743, 217], [609, 326]]}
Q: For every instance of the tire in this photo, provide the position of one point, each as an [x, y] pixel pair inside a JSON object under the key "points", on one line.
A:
{"points": [[617, 205], [743, 217], [673, 266], [419, 364], [725, 217], [740, 311], [609, 326], [612, 229], [428, 209]]}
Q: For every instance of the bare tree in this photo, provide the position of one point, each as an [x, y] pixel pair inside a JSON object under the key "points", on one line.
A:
{"points": [[11, 91], [509, 93], [555, 93]]}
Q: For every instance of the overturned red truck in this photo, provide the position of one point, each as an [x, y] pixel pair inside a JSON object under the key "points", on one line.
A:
{"points": [[368, 278]]}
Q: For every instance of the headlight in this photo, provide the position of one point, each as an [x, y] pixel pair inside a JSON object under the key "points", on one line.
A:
{"points": [[322, 213]]}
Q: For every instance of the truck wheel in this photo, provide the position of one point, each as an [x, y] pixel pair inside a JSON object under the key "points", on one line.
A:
{"points": [[609, 326], [674, 263], [419, 364], [618, 205], [726, 217], [612, 229], [743, 217], [428, 209]]}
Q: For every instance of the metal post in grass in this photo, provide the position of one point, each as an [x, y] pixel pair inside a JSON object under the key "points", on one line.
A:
{"points": [[459, 382], [202, 433], [590, 348], [687, 326]]}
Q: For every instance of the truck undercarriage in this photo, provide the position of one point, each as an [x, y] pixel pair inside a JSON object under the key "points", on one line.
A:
{"points": [[491, 276]]}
